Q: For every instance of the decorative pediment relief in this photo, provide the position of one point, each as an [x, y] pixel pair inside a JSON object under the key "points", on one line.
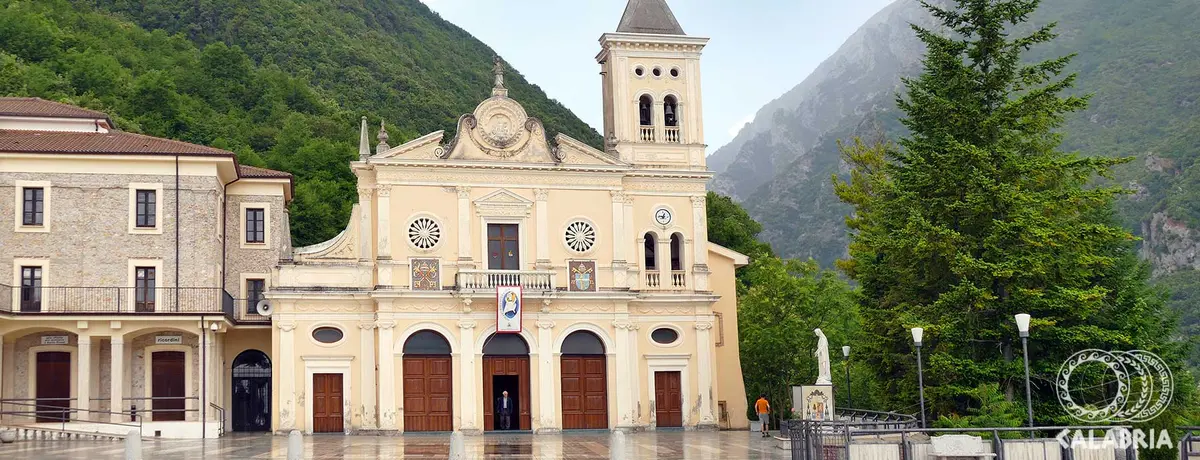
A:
{"points": [[503, 203], [499, 130]]}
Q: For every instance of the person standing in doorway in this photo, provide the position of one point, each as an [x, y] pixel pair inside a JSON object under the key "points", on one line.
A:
{"points": [[504, 408], [764, 410]]}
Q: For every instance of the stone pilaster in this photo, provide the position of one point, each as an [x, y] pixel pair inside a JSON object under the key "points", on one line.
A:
{"points": [[626, 356], [367, 388], [116, 385], [388, 414], [633, 248], [700, 244], [83, 382], [620, 275], [542, 209], [546, 407], [464, 227], [467, 406], [287, 376], [384, 224], [704, 369], [365, 232]]}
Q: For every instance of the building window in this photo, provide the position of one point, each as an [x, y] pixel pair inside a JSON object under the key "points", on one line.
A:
{"points": [[645, 117], [33, 210], [254, 293], [676, 252], [650, 246], [504, 247], [580, 236], [664, 336], [424, 233], [31, 288], [256, 229], [327, 334], [144, 289], [146, 212], [671, 111]]}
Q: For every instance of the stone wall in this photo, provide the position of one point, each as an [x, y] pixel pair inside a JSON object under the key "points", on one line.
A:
{"points": [[140, 388], [89, 243], [240, 260], [24, 368]]}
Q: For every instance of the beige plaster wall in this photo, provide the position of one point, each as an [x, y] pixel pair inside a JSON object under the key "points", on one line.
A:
{"points": [[728, 355]]}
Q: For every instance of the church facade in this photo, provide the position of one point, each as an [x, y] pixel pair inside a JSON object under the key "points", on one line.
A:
{"points": [[579, 281]]}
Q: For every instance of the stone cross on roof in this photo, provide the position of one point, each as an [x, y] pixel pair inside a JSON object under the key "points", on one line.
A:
{"points": [[649, 17]]}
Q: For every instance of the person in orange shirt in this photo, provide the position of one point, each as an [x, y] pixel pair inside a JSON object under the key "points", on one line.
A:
{"points": [[764, 409]]}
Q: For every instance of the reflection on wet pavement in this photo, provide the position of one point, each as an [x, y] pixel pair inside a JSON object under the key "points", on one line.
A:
{"points": [[671, 445]]}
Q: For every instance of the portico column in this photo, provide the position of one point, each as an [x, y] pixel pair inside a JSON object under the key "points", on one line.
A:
{"points": [[543, 228], [387, 376], [287, 377], [699, 244], [546, 355], [620, 263], [464, 226], [83, 382], [467, 383], [367, 373], [365, 209], [704, 369], [626, 400], [385, 221], [206, 412], [116, 384]]}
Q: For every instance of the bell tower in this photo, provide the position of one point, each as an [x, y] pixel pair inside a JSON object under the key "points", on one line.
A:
{"points": [[650, 72]]}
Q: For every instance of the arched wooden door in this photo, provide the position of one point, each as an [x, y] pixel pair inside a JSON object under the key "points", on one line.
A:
{"points": [[428, 383], [584, 382], [251, 393], [506, 368]]}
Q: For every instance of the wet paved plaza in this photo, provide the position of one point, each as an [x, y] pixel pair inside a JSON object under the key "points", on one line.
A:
{"points": [[725, 445]]}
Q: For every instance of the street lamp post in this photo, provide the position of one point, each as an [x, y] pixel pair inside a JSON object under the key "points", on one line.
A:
{"points": [[1023, 330], [917, 333], [849, 394]]}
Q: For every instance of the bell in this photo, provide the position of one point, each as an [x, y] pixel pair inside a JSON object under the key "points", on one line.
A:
{"points": [[669, 111]]}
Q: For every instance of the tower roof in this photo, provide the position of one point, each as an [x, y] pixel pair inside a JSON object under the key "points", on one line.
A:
{"points": [[649, 17]]}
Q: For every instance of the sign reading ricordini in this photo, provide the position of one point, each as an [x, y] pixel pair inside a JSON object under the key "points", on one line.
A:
{"points": [[510, 307], [168, 340], [55, 340]]}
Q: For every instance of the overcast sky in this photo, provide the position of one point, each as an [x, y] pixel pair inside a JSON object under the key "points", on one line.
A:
{"points": [[759, 49]]}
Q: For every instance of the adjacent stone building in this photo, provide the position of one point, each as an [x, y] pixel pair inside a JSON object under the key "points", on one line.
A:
{"points": [[579, 281]]}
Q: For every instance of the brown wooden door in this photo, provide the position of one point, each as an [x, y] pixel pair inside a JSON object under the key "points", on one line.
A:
{"points": [[53, 386], [327, 403], [167, 386], [506, 365], [668, 399], [584, 392], [428, 389]]}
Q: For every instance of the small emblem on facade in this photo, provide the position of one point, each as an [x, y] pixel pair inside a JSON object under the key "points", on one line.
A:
{"points": [[583, 275]]}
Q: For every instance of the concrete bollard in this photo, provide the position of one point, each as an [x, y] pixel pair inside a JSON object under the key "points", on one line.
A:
{"points": [[295, 446], [133, 445], [458, 450], [616, 445]]}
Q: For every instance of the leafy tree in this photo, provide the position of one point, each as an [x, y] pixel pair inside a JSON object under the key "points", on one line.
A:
{"points": [[977, 216], [993, 410], [729, 225]]}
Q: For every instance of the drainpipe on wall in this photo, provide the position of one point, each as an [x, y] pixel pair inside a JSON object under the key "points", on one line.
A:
{"points": [[177, 198], [203, 379]]}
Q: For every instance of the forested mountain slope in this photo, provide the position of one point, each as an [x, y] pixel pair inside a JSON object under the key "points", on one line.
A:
{"points": [[280, 82]]}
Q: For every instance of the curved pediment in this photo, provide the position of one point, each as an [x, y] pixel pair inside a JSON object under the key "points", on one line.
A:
{"points": [[499, 130]]}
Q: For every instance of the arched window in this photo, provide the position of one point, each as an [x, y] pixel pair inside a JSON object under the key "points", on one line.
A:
{"points": [[582, 343], [505, 345], [651, 245], [671, 111], [426, 342], [645, 118], [676, 251]]}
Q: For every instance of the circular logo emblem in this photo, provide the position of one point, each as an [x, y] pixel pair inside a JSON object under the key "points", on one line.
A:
{"points": [[663, 216], [1139, 383]]}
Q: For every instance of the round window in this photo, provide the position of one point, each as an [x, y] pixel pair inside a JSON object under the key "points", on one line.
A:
{"points": [[424, 233], [675, 72], [327, 334], [664, 336], [639, 71], [657, 72], [580, 236]]}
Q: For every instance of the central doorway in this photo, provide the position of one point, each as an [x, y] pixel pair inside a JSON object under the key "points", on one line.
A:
{"points": [[506, 368], [428, 385], [584, 382], [327, 403], [251, 391]]}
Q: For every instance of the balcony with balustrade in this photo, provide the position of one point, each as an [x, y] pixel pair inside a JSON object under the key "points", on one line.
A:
{"points": [[646, 133], [530, 281], [43, 301], [671, 134]]}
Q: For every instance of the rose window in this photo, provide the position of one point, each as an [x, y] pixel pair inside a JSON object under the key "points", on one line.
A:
{"points": [[424, 233], [580, 236]]}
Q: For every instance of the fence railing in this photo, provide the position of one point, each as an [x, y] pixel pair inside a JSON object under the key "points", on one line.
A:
{"points": [[534, 280], [58, 410], [246, 311], [113, 300]]}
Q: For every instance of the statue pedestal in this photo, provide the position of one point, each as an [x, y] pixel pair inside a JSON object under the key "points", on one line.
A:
{"points": [[813, 402]]}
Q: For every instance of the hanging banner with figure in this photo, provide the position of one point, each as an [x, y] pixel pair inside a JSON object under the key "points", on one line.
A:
{"points": [[509, 309]]}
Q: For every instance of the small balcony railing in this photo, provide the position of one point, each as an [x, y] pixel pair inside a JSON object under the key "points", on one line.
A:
{"points": [[678, 279], [114, 300], [646, 133], [671, 134], [653, 280], [530, 280]]}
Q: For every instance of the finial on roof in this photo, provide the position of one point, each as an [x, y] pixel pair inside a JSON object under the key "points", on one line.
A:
{"points": [[383, 137], [364, 143], [649, 17], [498, 88]]}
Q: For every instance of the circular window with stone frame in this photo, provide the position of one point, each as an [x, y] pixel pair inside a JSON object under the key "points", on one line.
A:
{"points": [[674, 72], [639, 71], [424, 233], [328, 335], [579, 236], [657, 72], [665, 336]]}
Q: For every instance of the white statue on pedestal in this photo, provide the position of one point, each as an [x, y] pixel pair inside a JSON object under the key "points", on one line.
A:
{"points": [[822, 355]]}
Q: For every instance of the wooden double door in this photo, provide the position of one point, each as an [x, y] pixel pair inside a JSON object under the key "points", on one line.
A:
{"points": [[584, 392], [327, 403], [668, 399], [506, 373], [428, 392], [53, 386], [167, 371]]}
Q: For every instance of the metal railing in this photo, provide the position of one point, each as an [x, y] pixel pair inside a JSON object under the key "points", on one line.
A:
{"points": [[220, 417], [113, 300], [136, 413], [1189, 444], [246, 311], [40, 413], [534, 280]]}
